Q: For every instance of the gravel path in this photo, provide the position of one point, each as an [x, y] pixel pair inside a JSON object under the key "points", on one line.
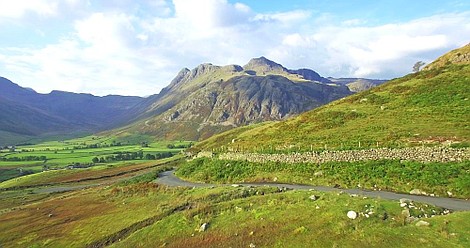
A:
{"points": [[168, 178]]}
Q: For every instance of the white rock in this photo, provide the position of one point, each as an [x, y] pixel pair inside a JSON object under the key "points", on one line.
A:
{"points": [[313, 197], [203, 227], [352, 215], [422, 223], [417, 192]]}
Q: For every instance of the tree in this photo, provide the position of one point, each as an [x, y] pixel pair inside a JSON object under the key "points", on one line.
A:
{"points": [[417, 66]]}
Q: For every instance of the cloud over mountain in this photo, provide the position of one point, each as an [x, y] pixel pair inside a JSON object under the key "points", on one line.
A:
{"points": [[135, 47]]}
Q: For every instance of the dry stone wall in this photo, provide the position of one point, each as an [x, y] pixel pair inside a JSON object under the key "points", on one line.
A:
{"points": [[420, 154]]}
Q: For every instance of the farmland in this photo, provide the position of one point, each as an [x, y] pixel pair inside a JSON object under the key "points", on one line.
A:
{"points": [[83, 153]]}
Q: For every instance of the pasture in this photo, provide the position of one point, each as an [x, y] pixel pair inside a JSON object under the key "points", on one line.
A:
{"points": [[83, 153]]}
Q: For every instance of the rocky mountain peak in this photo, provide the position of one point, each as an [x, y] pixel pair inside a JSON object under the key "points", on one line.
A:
{"points": [[262, 64], [203, 69]]}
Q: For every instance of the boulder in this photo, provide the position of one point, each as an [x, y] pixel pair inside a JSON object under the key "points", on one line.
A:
{"points": [[406, 213], [417, 192], [352, 215], [203, 227], [313, 197]]}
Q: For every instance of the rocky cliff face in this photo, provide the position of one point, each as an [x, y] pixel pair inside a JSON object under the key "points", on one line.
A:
{"points": [[458, 56], [211, 99]]}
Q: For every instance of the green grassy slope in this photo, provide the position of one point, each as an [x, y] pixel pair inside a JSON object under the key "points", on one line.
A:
{"points": [[150, 215], [428, 107]]}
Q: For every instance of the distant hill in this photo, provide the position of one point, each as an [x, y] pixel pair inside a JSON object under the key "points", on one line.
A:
{"points": [[358, 84], [428, 107], [26, 114], [197, 103], [210, 99]]}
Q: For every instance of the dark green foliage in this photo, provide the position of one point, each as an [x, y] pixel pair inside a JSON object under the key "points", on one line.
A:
{"points": [[124, 156], [26, 158]]}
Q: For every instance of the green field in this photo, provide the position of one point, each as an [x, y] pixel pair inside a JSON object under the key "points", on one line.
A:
{"points": [[77, 153]]}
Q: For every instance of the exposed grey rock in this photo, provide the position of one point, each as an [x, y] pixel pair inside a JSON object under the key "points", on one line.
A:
{"points": [[417, 192], [313, 197], [406, 212]]}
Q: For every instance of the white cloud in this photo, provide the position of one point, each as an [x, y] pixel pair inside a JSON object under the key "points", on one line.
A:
{"points": [[375, 51], [119, 50], [18, 8]]}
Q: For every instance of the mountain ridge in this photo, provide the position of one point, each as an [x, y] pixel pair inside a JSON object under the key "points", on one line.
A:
{"points": [[209, 98], [222, 93], [425, 108]]}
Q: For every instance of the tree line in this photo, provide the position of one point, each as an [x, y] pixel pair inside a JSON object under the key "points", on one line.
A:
{"points": [[123, 156], [26, 158]]}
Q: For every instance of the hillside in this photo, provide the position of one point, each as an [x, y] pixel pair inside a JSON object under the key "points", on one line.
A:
{"points": [[428, 107], [210, 99], [26, 114]]}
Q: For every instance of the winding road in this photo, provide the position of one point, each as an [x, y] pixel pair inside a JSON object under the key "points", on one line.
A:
{"points": [[168, 178]]}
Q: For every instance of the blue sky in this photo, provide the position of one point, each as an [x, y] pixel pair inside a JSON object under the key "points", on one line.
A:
{"points": [[131, 47]]}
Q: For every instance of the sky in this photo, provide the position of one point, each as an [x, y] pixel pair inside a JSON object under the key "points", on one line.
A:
{"points": [[136, 47]]}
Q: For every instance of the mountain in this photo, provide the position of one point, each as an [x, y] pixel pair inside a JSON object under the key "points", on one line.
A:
{"points": [[210, 99], [428, 107], [357, 84], [26, 114]]}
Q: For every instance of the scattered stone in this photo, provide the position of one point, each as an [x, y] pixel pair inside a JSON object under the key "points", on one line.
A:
{"points": [[318, 173], [403, 204], [352, 215], [353, 195], [251, 233], [449, 194], [417, 192], [405, 200], [235, 185], [275, 179], [317, 207], [203, 227], [252, 245], [422, 223], [50, 215], [313, 197], [406, 212]]}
